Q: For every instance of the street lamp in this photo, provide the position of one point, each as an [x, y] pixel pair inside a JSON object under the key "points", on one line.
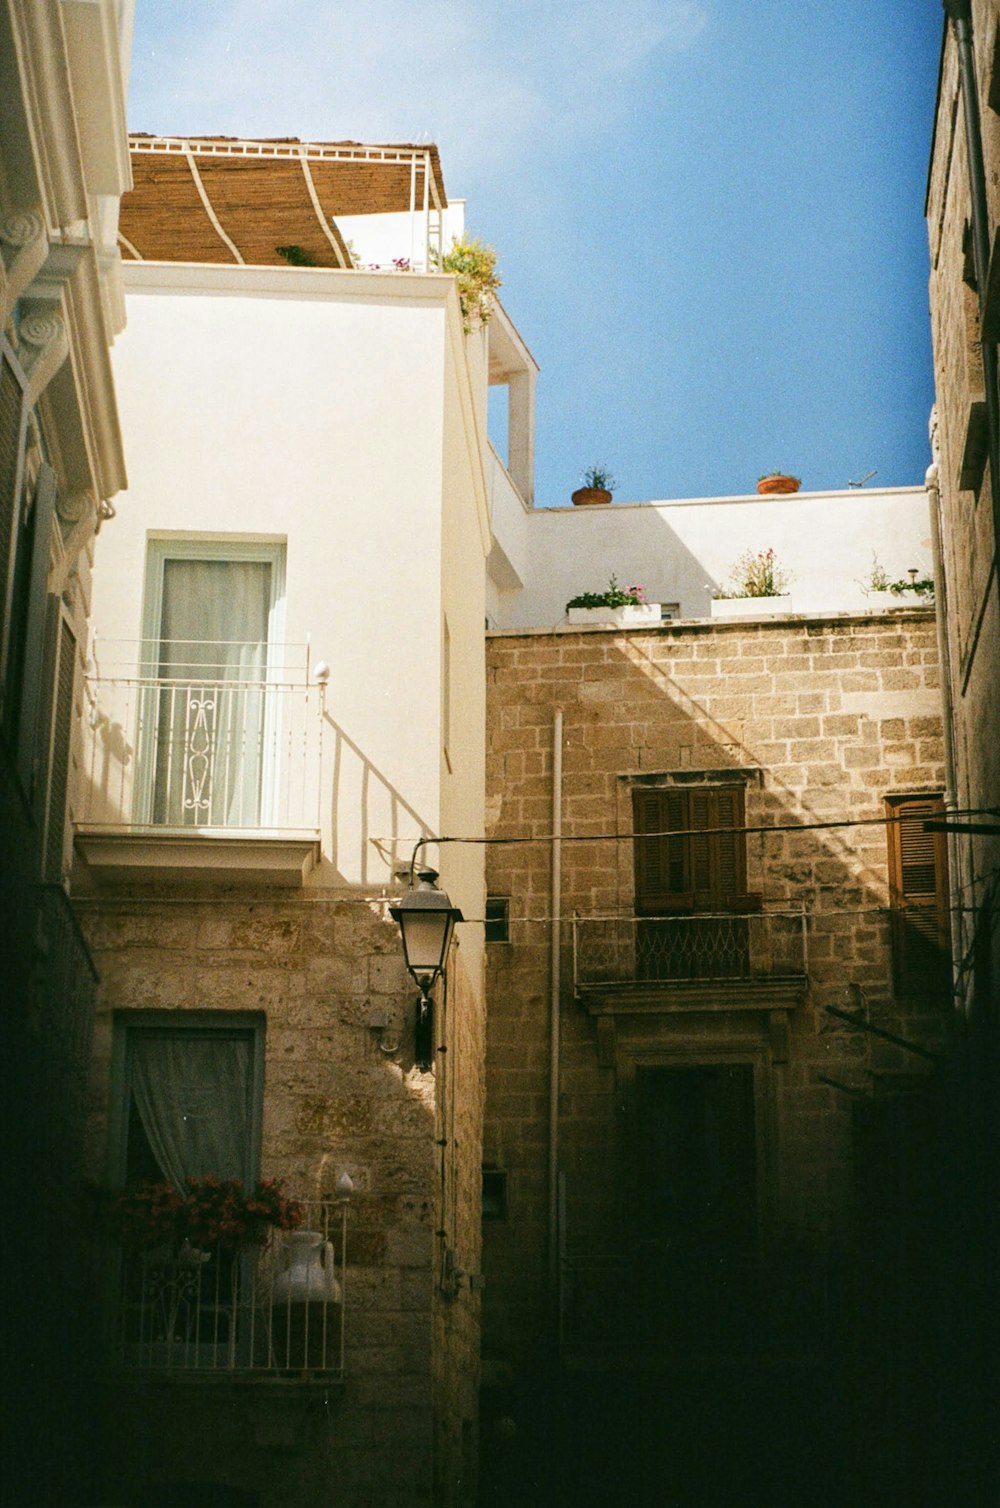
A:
{"points": [[426, 920]]}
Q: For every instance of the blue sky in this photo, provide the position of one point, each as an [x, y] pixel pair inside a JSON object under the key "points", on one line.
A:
{"points": [[709, 213]]}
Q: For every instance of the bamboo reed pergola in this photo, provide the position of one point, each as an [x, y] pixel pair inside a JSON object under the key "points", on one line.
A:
{"points": [[223, 200]]}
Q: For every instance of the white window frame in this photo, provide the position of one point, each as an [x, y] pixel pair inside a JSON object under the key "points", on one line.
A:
{"points": [[165, 545]]}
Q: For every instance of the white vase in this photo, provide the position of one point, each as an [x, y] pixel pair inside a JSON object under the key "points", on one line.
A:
{"points": [[308, 1276], [750, 607], [632, 615]]}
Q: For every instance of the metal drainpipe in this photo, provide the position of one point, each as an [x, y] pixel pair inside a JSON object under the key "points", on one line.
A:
{"points": [[555, 977], [941, 619], [960, 13]]}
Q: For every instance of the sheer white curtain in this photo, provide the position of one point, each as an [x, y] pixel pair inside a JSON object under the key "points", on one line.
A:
{"points": [[210, 717], [193, 1098]]}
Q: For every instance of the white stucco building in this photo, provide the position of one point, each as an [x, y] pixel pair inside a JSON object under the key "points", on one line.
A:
{"points": [[285, 692]]}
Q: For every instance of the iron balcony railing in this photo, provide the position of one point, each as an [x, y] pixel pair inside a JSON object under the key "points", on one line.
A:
{"points": [[202, 746], [275, 1310], [613, 951]]}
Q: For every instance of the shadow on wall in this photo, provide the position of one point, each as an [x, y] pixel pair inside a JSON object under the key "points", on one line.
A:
{"points": [[684, 553], [627, 726], [758, 1325], [197, 1495], [367, 816]]}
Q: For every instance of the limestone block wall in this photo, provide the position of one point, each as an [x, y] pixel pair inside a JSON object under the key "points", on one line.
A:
{"points": [[826, 716], [320, 969], [965, 488], [461, 1094]]}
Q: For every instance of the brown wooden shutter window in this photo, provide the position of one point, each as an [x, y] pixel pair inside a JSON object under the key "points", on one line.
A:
{"points": [[918, 895]]}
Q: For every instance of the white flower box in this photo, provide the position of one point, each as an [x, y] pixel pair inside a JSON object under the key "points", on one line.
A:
{"points": [[879, 601], [633, 615], [750, 607]]}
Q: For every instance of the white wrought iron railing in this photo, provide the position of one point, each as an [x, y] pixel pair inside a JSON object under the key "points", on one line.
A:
{"points": [[623, 950], [205, 742], [278, 1309]]}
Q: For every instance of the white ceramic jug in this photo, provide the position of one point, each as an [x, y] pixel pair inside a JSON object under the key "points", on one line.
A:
{"points": [[309, 1276]]}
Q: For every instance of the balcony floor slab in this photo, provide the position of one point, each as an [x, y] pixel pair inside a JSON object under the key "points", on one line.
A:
{"points": [[208, 856]]}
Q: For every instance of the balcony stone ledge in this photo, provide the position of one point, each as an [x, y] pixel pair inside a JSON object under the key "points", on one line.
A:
{"points": [[665, 996], [206, 856]]}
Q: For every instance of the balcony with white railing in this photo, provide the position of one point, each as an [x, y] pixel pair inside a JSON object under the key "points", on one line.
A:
{"points": [[726, 955], [276, 1310], [183, 742]]}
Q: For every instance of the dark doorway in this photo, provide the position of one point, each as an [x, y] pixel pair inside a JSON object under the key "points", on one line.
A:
{"points": [[695, 1158]]}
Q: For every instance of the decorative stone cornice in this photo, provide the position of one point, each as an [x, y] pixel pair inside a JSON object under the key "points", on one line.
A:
{"points": [[765, 1002]]}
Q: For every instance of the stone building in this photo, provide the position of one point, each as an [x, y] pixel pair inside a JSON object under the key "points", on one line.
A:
{"points": [[63, 165], [963, 214], [717, 938], [285, 694]]}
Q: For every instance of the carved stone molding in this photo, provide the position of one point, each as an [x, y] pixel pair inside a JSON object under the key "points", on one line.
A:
{"points": [[42, 328], [21, 228], [78, 515], [72, 508], [23, 250], [44, 346]]}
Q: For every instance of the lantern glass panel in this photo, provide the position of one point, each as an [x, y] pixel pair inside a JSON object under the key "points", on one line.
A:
{"points": [[425, 939]]}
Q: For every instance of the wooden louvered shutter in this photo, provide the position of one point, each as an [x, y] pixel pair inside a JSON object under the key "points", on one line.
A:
{"points": [[662, 862], [61, 747], [718, 858], [918, 889], [704, 870], [701, 811]]}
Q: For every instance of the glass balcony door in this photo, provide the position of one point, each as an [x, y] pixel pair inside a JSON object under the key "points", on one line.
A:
{"points": [[206, 715]]}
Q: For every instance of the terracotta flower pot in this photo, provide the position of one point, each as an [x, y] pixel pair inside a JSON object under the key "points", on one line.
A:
{"points": [[769, 485], [584, 496]]}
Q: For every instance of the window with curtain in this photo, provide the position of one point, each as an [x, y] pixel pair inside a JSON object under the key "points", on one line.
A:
{"points": [[191, 1102], [207, 719]]}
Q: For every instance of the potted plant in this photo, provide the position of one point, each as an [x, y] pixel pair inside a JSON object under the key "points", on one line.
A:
{"points": [[621, 606], [474, 267], [757, 585], [882, 592], [773, 482], [208, 1212], [598, 485]]}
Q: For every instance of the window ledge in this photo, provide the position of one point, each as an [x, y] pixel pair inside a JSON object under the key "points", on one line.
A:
{"points": [[666, 996], [208, 856]]}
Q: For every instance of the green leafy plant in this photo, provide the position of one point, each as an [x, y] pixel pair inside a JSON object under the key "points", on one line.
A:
{"points": [[922, 585], [474, 266], [296, 256], [877, 579], [778, 472], [599, 477], [756, 575], [615, 596]]}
